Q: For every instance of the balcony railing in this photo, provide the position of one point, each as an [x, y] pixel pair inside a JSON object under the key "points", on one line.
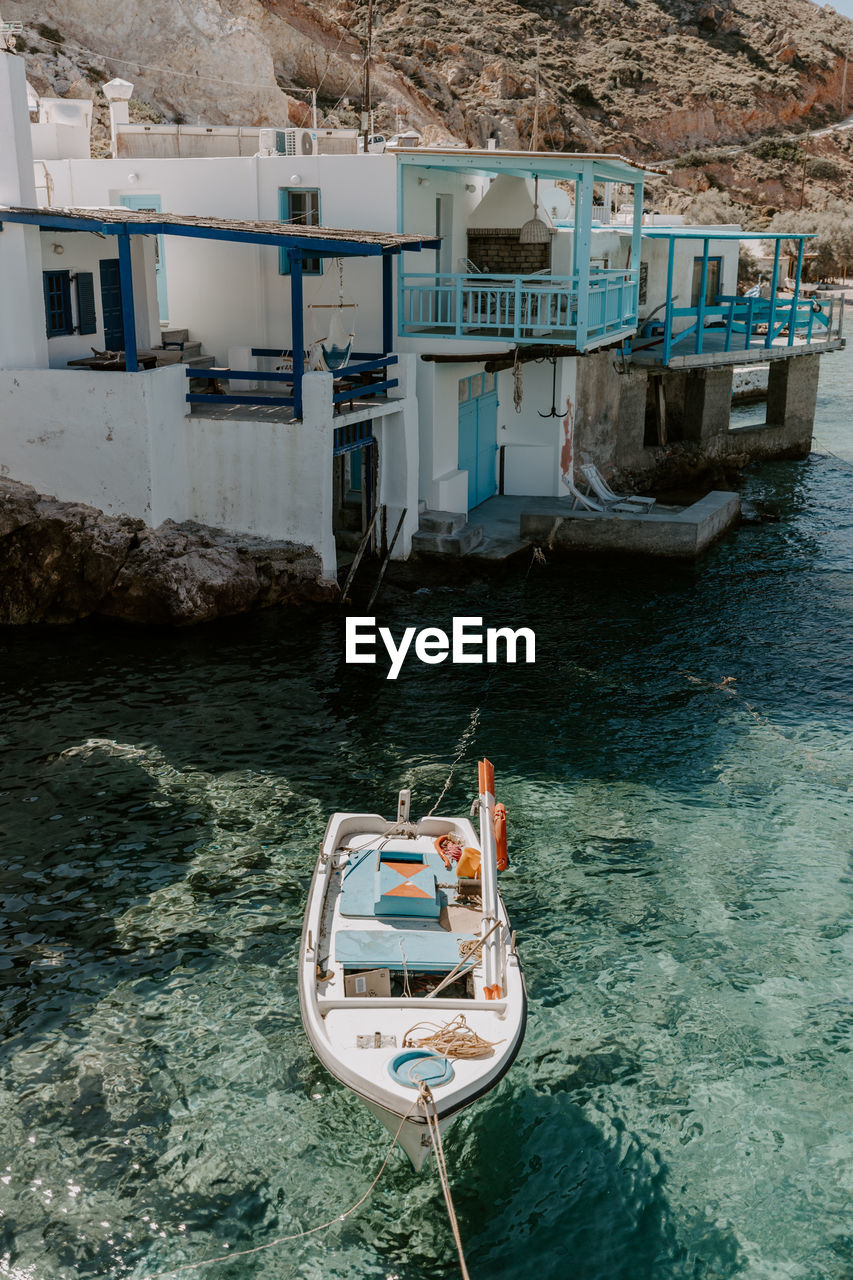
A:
{"points": [[532, 309], [367, 376], [731, 326]]}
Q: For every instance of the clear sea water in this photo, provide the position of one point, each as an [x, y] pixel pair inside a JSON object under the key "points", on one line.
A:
{"points": [[677, 769]]}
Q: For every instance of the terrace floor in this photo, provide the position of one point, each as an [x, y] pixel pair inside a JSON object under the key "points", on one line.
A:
{"points": [[742, 349]]}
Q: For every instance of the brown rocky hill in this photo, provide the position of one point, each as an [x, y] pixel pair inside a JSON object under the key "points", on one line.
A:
{"points": [[656, 79]]}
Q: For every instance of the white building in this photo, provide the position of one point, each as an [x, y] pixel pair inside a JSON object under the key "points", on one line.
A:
{"points": [[506, 287]]}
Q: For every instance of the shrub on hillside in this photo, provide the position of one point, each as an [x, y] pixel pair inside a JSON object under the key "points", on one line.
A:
{"points": [[832, 230], [777, 149], [820, 168]]}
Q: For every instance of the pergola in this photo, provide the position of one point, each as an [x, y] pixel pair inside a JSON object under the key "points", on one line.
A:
{"points": [[298, 242]]}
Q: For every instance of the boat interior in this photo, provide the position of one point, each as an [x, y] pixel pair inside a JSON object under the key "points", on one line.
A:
{"points": [[399, 920]]}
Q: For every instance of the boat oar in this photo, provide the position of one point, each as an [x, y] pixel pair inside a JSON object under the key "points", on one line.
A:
{"points": [[462, 963]]}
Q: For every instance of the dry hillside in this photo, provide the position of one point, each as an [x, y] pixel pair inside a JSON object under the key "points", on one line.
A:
{"points": [[676, 80]]}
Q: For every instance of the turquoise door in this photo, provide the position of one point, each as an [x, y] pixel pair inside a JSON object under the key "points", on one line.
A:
{"points": [[478, 436], [111, 305], [153, 203]]}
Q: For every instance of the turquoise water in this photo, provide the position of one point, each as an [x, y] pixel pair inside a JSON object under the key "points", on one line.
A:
{"points": [[677, 770]]}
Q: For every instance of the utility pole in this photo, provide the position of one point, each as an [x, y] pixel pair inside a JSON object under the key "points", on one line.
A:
{"points": [[365, 93], [844, 81], [534, 137], [805, 161]]}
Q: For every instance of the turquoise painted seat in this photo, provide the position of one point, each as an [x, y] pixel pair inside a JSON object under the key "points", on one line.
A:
{"points": [[423, 949], [362, 896], [405, 886]]}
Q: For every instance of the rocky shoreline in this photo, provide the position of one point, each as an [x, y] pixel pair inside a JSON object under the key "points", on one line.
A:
{"points": [[63, 561]]}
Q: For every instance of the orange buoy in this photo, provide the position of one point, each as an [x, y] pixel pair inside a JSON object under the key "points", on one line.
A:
{"points": [[500, 837]]}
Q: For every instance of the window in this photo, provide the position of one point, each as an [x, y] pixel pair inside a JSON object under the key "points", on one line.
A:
{"points": [[57, 302], [712, 283], [303, 208]]}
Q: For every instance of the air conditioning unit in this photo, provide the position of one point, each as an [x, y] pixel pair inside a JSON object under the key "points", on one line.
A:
{"points": [[287, 142]]}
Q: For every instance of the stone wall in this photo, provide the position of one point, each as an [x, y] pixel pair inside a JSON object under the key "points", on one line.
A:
{"points": [[501, 252], [643, 426]]}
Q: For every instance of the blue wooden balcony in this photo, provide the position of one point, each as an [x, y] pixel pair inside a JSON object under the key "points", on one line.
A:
{"points": [[719, 328], [739, 330], [534, 309]]}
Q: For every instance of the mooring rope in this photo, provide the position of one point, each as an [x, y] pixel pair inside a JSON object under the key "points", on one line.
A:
{"points": [[427, 1102], [299, 1235], [467, 734]]}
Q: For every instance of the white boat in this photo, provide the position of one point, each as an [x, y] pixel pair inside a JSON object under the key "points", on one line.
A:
{"points": [[397, 946]]}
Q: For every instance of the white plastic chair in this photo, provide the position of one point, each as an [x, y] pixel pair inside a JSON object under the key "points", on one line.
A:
{"points": [[610, 500]]}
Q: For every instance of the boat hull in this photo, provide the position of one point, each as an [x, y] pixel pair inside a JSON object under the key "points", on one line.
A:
{"points": [[358, 1040]]}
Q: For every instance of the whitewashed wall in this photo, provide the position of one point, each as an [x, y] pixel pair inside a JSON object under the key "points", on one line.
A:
{"points": [[122, 442], [22, 325], [84, 436], [656, 252], [232, 295]]}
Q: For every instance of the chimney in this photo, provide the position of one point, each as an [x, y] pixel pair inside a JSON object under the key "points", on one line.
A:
{"points": [[117, 94], [23, 344]]}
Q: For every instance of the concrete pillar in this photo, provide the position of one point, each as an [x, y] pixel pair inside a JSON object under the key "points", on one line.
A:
{"points": [[318, 432], [23, 341], [707, 403], [792, 396], [397, 438], [631, 421]]}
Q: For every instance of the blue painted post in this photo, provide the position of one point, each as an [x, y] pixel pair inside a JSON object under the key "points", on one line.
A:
{"points": [[297, 328], [577, 187], [795, 303], [730, 324], [667, 328], [774, 282], [583, 239], [637, 244], [125, 276], [703, 285], [387, 304]]}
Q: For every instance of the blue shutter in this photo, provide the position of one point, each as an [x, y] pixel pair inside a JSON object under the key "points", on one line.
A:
{"points": [[86, 302]]}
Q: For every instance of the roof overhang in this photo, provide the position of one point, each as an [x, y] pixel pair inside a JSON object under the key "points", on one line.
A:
{"points": [[316, 241], [527, 164], [708, 233]]}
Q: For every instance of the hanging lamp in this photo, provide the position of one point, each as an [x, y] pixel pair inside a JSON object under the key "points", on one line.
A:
{"points": [[535, 231]]}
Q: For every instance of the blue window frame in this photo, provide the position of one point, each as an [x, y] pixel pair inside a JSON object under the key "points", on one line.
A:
{"points": [[57, 303], [299, 205]]}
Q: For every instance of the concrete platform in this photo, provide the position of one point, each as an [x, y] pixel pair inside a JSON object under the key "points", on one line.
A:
{"points": [[665, 532]]}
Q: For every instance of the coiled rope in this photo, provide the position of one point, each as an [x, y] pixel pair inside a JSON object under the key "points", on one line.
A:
{"points": [[455, 1039]]}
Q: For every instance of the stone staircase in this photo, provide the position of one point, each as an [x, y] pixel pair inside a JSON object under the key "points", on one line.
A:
{"points": [[183, 351], [446, 533]]}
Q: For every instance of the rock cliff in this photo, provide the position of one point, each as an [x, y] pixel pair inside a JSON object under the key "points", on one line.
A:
{"points": [[60, 561], [647, 77]]}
